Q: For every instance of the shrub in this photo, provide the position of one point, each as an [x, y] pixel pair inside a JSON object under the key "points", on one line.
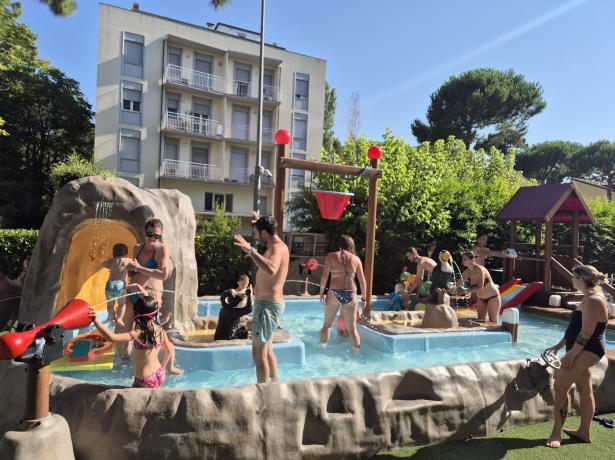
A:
{"points": [[16, 245], [75, 167]]}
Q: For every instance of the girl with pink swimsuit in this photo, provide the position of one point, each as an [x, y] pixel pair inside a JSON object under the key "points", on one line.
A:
{"points": [[148, 337]]}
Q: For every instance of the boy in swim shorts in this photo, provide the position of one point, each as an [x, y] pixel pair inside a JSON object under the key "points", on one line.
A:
{"points": [[116, 284]]}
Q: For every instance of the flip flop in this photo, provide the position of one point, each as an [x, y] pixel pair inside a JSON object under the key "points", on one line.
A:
{"points": [[607, 423]]}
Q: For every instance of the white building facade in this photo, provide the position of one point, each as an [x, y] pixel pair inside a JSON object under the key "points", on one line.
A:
{"points": [[177, 107]]}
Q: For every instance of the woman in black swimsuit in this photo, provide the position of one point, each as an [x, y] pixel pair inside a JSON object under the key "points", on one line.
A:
{"points": [[584, 341], [488, 302]]}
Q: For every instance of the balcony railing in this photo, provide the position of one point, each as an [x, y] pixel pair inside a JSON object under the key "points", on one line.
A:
{"points": [[248, 89], [208, 172], [244, 133], [190, 124], [194, 79], [190, 170]]}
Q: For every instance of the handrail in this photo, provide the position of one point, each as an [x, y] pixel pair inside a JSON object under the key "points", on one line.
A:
{"points": [[559, 268]]}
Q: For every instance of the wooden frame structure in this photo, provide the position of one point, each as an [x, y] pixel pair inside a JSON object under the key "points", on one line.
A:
{"points": [[546, 205], [372, 173]]}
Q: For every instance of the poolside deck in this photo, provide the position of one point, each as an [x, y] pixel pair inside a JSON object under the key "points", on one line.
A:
{"points": [[557, 312]]}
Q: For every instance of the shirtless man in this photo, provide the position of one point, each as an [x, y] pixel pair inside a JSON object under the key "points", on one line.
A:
{"points": [[269, 296], [482, 251], [423, 264]]}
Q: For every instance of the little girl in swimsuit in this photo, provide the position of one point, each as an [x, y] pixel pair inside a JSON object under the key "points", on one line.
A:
{"points": [[116, 284], [148, 337]]}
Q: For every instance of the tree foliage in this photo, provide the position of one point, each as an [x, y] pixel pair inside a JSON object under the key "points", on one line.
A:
{"points": [[47, 119], [329, 141], [61, 7], [549, 162], [597, 161], [482, 99], [75, 167], [440, 191]]}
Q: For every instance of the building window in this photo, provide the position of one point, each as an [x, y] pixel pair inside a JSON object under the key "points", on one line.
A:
{"points": [[300, 131], [171, 149], [297, 176], [131, 103], [213, 200], [173, 103], [302, 90], [132, 55], [130, 146], [262, 208], [199, 167], [269, 92], [243, 76], [175, 56]]}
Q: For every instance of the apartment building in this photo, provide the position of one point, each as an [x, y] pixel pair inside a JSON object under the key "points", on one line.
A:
{"points": [[177, 107]]}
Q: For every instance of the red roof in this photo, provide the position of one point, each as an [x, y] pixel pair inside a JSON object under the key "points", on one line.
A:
{"points": [[547, 202]]}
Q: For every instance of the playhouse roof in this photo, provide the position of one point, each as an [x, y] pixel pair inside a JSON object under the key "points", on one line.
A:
{"points": [[546, 202]]}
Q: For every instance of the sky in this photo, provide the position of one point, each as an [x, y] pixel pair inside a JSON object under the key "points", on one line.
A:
{"points": [[395, 53]]}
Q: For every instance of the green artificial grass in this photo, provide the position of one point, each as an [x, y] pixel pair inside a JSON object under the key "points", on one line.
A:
{"points": [[525, 443]]}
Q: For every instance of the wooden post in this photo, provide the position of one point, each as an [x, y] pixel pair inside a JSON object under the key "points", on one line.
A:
{"points": [[509, 271], [278, 195], [538, 237], [370, 239], [37, 392], [546, 279], [575, 234]]}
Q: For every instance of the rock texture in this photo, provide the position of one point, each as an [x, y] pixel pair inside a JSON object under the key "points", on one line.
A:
{"points": [[439, 317], [74, 207], [343, 417]]}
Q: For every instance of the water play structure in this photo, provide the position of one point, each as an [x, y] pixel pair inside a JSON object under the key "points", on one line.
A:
{"points": [[546, 205]]}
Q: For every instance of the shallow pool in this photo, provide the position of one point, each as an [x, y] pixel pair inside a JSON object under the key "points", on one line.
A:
{"points": [[303, 319]]}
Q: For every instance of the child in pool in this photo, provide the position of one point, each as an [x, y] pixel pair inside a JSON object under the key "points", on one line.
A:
{"points": [[148, 337], [118, 266]]}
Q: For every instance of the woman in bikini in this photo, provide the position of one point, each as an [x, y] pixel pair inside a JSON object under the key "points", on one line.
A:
{"points": [[150, 268], [344, 266], [585, 346], [481, 284]]}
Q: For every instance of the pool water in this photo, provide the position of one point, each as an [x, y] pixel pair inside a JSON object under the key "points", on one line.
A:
{"points": [[303, 319]]}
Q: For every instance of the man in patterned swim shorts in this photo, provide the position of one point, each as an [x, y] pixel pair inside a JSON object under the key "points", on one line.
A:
{"points": [[269, 293]]}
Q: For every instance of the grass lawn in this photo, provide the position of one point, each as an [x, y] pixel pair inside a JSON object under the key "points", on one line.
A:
{"points": [[525, 443]]}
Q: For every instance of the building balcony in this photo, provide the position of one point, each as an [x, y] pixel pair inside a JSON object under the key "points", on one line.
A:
{"points": [[184, 76], [189, 124], [245, 133], [188, 170], [249, 90]]}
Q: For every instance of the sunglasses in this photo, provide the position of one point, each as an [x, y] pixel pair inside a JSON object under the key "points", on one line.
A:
{"points": [[156, 236]]}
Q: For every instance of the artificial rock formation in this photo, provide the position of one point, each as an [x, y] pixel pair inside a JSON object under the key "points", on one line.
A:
{"points": [[439, 317], [87, 217], [341, 417]]}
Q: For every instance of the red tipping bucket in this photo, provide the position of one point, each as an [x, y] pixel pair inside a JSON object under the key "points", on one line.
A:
{"points": [[332, 204]]}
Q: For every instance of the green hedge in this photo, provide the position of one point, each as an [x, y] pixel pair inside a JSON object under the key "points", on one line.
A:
{"points": [[16, 245]]}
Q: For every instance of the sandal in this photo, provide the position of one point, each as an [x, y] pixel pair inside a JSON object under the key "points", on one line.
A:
{"points": [[605, 422]]}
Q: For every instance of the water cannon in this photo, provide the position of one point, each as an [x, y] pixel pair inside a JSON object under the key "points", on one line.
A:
{"points": [[43, 344]]}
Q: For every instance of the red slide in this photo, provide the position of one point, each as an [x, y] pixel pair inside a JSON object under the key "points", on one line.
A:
{"points": [[514, 293]]}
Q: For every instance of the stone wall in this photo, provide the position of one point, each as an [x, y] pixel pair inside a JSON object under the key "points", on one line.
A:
{"points": [[341, 417]]}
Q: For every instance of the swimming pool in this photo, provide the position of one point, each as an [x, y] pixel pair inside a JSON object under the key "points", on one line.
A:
{"points": [[303, 319]]}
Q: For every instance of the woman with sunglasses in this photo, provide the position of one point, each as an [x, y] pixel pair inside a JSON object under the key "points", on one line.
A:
{"points": [[585, 346], [150, 268]]}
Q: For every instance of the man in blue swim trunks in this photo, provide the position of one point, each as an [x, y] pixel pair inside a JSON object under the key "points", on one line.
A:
{"points": [[269, 293]]}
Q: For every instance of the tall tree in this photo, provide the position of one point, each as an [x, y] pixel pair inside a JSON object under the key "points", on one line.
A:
{"points": [[549, 162], [46, 116], [481, 99], [597, 161], [353, 117], [329, 142]]}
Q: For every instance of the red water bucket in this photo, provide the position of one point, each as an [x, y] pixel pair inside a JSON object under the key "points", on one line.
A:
{"points": [[332, 204]]}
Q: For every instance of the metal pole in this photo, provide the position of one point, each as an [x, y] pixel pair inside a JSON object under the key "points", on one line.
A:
{"points": [[37, 392], [259, 121], [280, 182]]}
